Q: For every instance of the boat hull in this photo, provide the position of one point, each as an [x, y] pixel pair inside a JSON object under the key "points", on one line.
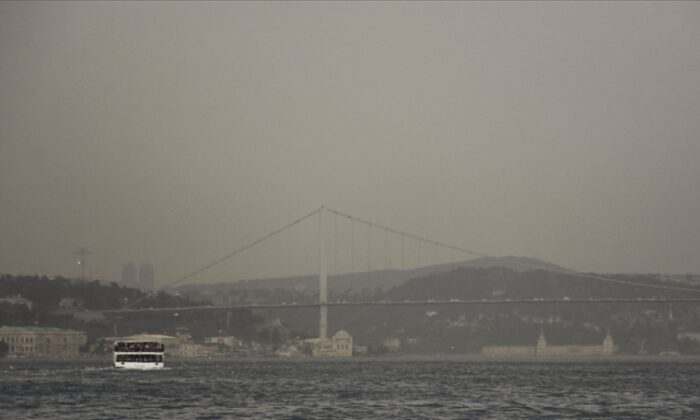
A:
{"points": [[138, 355], [138, 366]]}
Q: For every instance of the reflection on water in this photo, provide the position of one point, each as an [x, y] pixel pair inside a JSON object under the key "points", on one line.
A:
{"points": [[351, 389]]}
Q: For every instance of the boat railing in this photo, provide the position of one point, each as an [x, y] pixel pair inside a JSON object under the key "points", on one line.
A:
{"points": [[139, 347]]}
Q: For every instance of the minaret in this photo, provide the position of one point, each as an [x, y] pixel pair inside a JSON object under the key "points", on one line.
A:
{"points": [[541, 342], [608, 344], [323, 282]]}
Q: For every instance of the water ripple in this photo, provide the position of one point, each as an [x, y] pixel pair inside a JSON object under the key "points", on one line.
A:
{"points": [[355, 389]]}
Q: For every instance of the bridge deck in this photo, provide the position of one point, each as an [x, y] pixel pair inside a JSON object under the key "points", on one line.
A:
{"points": [[403, 303]]}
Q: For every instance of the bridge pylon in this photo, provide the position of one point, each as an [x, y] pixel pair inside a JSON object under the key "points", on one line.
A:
{"points": [[322, 276]]}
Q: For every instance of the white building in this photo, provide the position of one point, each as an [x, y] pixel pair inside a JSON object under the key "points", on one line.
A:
{"points": [[391, 344], [543, 349], [17, 300], [42, 342], [340, 345]]}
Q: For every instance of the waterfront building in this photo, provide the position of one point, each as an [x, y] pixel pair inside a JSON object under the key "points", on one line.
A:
{"points": [[228, 341], [340, 345], [359, 350], [508, 351], [17, 300], [42, 341], [543, 349], [607, 348], [290, 350], [391, 344], [70, 304]]}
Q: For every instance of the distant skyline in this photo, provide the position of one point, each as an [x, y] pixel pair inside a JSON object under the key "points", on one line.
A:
{"points": [[177, 132]]}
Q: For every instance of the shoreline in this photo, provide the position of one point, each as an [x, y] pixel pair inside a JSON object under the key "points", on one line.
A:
{"points": [[392, 359]]}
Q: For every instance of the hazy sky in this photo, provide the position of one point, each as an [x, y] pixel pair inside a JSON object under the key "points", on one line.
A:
{"points": [[174, 133]]}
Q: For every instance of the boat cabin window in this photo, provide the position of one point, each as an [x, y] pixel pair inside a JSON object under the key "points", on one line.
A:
{"points": [[140, 358], [127, 346]]}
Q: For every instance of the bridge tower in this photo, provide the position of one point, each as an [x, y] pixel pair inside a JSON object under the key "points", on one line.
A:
{"points": [[323, 281]]}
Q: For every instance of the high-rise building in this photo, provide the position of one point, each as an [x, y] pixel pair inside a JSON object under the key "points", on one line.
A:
{"points": [[129, 278], [146, 277]]}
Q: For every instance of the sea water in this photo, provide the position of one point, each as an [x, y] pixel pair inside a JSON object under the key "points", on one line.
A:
{"points": [[372, 389]]}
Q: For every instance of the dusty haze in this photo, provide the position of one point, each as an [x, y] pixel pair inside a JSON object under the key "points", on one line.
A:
{"points": [[174, 133]]}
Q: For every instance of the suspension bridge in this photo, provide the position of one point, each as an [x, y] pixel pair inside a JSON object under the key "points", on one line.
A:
{"points": [[420, 244]]}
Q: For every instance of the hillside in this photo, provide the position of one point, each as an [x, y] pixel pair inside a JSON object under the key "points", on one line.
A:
{"points": [[46, 293], [382, 279], [648, 328], [503, 283]]}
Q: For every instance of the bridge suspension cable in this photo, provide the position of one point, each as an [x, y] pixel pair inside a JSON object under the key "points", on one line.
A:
{"points": [[227, 256], [526, 263], [406, 234]]}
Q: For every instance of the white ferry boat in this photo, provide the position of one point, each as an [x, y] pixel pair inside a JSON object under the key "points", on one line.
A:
{"points": [[139, 355]]}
